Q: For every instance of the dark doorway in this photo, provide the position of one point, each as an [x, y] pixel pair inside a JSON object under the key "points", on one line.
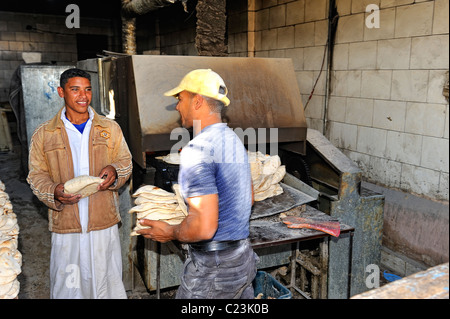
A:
{"points": [[89, 45]]}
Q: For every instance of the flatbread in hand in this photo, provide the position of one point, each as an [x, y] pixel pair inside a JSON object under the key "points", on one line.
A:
{"points": [[83, 185]]}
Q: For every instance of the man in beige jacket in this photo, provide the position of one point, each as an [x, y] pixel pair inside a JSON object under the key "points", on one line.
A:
{"points": [[85, 259]]}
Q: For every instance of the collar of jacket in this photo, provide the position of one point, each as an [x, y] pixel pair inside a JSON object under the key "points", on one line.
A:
{"points": [[56, 121]]}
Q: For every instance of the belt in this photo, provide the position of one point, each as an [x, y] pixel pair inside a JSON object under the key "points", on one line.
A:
{"points": [[216, 245]]}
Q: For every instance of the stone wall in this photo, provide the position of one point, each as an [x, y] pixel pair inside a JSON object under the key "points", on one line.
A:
{"points": [[48, 41], [385, 107], [387, 110]]}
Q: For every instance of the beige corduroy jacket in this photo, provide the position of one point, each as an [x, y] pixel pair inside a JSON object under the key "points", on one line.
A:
{"points": [[50, 163]]}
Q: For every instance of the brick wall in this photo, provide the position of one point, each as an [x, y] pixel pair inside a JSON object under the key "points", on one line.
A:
{"points": [[386, 110], [53, 43]]}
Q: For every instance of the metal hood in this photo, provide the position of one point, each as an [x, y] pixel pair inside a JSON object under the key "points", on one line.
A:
{"points": [[264, 94]]}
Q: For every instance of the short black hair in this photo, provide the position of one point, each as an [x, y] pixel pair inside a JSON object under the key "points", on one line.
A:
{"points": [[215, 106], [72, 73]]}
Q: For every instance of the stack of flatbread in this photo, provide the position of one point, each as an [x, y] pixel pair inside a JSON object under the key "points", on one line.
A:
{"points": [[10, 256], [85, 185], [154, 203], [267, 173]]}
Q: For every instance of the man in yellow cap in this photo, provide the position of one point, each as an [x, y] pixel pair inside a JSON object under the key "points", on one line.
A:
{"points": [[215, 181]]}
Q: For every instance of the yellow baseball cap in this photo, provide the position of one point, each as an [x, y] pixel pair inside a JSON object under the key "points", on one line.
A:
{"points": [[204, 82]]}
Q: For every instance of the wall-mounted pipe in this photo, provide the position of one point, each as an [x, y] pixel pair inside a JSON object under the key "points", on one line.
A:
{"points": [[333, 17]]}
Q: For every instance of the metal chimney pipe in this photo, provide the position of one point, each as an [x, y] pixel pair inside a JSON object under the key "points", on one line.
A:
{"points": [[140, 7], [132, 8]]}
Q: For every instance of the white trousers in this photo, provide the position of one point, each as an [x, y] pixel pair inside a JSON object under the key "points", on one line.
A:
{"points": [[86, 265]]}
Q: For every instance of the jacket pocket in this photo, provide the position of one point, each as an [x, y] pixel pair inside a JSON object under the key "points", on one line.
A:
{"points": [[56, 154], [102, 150]]}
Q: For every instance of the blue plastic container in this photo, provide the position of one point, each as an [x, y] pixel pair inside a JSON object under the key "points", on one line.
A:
{"points": [[270, 288]]}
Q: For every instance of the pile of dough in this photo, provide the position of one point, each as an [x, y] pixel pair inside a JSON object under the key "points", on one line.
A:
{"points": [[154, 203], [267, 173], [84, 185], [10, 256]]}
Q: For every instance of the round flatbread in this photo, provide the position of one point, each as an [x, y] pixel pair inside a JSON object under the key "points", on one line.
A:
{"points": [[10, 290], [152, 190], [3, 200], [273, 190], [7, 222], [270, 180], [8, 242], [278, 175], [180, 199], [144, 200], [171, 158], [173, 221], [83, 185], [270, 165], [9, 268], [151, 207], [150, 198], [5, 288], [17, 255], [6, 206], [160, 214]]}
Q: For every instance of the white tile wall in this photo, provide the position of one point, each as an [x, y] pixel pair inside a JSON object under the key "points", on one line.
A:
{"points": [[394, 3], [376, 84], [419, 180], [340, 57], [295, 12], [436, 81], [362, 55], [441, 17], [435, 154], [430, 52], [336, 109], [371, 141], [316, 10], [387, 26], [386, 110], [403, 147], [425, 119], [443, 185], [350, 28], [385, 171], [414, 20], [393, 54], [359, 111], [343, 135], [389, 115], [410, 85]]}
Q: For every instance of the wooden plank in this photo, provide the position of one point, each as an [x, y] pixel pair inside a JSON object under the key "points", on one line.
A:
{"points": [[429, 284]]}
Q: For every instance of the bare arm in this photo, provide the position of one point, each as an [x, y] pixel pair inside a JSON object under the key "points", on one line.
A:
{"points": [[200, 224]]}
